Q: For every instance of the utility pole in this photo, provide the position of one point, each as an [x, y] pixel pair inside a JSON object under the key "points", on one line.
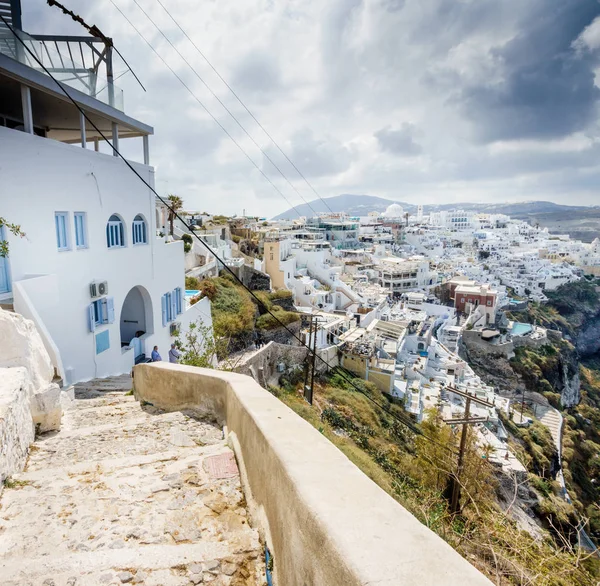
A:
{"points": [[465, 421], [310, 364], [307, 363], [314, 360]]}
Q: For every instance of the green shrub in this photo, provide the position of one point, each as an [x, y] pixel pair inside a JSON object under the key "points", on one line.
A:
{"points": [[232, 308], [192, 283], [281, 294], [187, 242], [283, 317]]}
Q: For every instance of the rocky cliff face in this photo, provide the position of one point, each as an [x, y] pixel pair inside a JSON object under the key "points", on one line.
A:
{"points": [[587, 338], [494, 370], [579, 305], [553, 371], [29, 400], [569, 381]]}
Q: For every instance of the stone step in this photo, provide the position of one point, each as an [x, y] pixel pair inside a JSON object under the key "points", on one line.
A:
{"points": [[109, 465], [126, 493], [7, 305], [161, 565], [111, 413], [141, 436], [122, 382], [103, 400]]}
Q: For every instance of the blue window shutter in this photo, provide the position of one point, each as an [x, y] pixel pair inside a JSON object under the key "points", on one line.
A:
{"points": [[91, 318], [178, 299], [58, 244], [163, 302], [110, 310], [173, 304]]}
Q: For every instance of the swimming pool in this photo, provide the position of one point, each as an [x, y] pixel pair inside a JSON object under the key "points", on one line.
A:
{"points": [[520, 329], [191, 292]]}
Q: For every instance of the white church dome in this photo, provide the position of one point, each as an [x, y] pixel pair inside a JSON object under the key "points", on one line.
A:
{"points": [[394, 211]]}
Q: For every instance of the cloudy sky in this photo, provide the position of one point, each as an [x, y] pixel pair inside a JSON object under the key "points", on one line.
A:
{"points": [[413, 100]]}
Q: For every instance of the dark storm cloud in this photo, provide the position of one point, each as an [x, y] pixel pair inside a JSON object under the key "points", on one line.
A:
{"points": [[547, 89], [400, 141]]}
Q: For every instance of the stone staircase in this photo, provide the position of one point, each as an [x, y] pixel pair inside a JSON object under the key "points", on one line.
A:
{"points": [[126, 493], [552, 420]]}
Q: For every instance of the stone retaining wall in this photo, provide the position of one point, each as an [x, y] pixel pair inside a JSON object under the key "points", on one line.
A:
{"points": [[325, 522], [16, 423], [262, 366], [472, 339]]}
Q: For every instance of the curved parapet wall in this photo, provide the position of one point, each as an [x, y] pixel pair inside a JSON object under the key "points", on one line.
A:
{"points": [[326, 523]]}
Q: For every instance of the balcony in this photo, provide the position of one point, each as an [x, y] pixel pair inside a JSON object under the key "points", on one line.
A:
{"points": [[33, 102], [324, 521], [60, 55]]}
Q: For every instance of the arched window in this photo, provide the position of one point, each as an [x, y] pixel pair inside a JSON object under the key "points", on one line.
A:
{"points": [[115, 232], [139, 230]]}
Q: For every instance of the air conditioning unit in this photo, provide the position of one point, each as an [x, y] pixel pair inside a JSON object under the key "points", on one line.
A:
{"points": [[103, 288], [174, 328]]}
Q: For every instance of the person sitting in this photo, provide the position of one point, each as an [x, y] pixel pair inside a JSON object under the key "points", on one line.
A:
{"points": [[155, 355], [174, 354]]}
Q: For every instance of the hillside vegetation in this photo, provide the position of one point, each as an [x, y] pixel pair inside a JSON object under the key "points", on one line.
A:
{"points": [[575, 310], [416, 471], [236, 313]]}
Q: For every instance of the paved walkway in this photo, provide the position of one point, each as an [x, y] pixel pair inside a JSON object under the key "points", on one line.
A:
{"points": [[127, 494]]}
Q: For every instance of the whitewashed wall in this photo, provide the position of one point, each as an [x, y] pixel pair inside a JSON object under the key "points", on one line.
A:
{"points": [[39, 177]]}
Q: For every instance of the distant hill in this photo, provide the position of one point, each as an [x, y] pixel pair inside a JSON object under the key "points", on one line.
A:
{"points": [[353, 205], [579, 221]]}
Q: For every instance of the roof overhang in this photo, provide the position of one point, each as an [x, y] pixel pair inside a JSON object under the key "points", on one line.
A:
{"points": [[55, 111]]}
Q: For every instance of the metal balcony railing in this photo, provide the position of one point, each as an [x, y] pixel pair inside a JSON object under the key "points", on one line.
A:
{"points": [[74, 61]]}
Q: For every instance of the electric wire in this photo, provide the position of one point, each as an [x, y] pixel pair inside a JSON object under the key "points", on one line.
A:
{"points": [[235, 119], [205, 108], [401, 420], [237, 97]]}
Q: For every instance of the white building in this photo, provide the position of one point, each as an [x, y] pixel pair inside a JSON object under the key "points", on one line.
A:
{"points": [[91, 273], [400, 275]]}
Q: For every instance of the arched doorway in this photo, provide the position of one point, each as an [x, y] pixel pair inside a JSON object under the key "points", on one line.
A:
{"points": [[136, 319]]}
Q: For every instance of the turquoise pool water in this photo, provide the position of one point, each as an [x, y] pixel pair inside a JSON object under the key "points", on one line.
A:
{"points": [[191, 292], [520, 329]]}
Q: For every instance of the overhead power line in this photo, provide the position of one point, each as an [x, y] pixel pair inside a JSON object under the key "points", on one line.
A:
{"points": [[205, 108], [396, 416], [237, 97], [231, 114]]}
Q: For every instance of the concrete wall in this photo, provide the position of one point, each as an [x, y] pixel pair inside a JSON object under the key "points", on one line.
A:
{"points": [[24, 306], [325, 522]]}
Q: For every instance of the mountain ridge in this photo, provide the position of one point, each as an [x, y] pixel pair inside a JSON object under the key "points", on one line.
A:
{"points": [[359, 204]]}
